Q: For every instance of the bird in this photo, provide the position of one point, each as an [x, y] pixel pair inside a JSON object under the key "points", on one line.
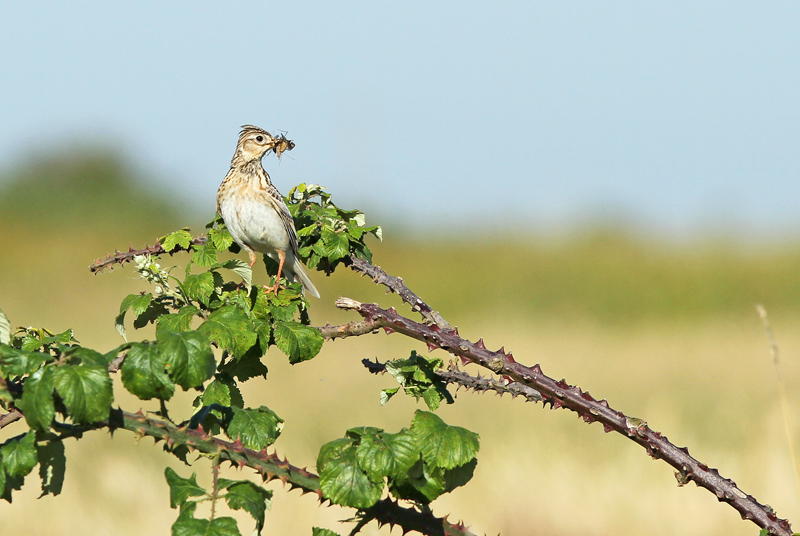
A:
{"points": [[254, 211]]}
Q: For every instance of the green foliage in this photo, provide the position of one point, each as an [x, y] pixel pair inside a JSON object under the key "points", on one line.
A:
{"points": [[327, 234], [238, 494], [418, 464], [212, 329], [417, 377]]}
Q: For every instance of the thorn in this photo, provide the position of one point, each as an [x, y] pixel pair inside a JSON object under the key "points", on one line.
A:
{"points": [[510, 358], [480, 344], [502, 350]]}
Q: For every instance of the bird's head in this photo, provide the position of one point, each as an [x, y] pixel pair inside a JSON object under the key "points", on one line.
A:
{"points": [[254, 143]]}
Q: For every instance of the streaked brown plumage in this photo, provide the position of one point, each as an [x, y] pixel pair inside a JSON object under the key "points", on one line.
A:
{"points": [[254, 211]]}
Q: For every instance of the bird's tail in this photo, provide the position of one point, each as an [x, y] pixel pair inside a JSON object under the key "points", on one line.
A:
{"points": [[299, 272]]}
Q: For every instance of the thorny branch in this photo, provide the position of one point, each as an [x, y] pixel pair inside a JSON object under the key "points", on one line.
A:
{"points": [[519, 379], [562, 395]]}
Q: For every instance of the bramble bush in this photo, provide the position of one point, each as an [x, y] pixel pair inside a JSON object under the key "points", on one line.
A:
{"points": [[212, 329]]}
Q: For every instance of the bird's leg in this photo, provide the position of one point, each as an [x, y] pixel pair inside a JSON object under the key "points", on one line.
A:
{"points": [[281, 260]]}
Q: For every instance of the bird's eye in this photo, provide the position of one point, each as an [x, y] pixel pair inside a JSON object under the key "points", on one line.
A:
{"points": [[259, 138]]}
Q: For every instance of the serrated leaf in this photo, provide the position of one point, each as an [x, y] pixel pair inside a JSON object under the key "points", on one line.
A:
{"points": [[458, 476], [344, 483], [85, 390], [15, 362], [180, 321], [219, 526], [220, 238], [297, 341], [336, 245], [253, 499], [255, 428], [240, 268], [182, 238], [441, 444], [332, 450], [387, 455], [5, 328], [231, 329], [199, 287], [224, 393], [188, 357], [205, 255], [37, 399], [87, 356], [264, 331], [387, 394], [317, 531], [52, 466], [144, 373], [180, 489], [246, 367], [19, 455]]}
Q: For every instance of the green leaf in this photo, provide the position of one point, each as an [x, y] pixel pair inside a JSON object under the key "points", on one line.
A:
{"points": [[264, 331], [180, 489], [138, 302], [317, 531], [188, 357], [205, 255], [86, 356], [180, 321], [417, 376], [240, 268], [52, 466], [387, 394], [182, 238], [220, 238], [244, 495], [297, 341], [248, 366], [199, 287], [14, 362], [331, 450], [37, 399], [255, 428], [223, 391], [230, 329], [344, 483], [5, 328], [85, 390], [220, 526], [144, 373], [19, 455], [443, 445], [336, 245], [387, 455]]}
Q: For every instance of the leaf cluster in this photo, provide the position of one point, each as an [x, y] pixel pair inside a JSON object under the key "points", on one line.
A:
{"points": [[185, 494], [417, 377], [328, 235], [417, 464]]}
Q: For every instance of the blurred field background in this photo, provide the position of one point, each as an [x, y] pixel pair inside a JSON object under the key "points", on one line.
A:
{"points": [[665, 330]]}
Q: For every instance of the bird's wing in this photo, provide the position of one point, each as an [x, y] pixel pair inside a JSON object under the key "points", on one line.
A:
{"points": [[276, 198]]}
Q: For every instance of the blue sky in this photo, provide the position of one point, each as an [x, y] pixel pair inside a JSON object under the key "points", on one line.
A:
{"points": [[680, 116]]}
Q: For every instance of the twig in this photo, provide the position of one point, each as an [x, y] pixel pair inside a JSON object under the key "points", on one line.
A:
{"points": [[477, 383], [396, 284], [8, 418], [121, 257], [773, 348], [561, 394]]}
